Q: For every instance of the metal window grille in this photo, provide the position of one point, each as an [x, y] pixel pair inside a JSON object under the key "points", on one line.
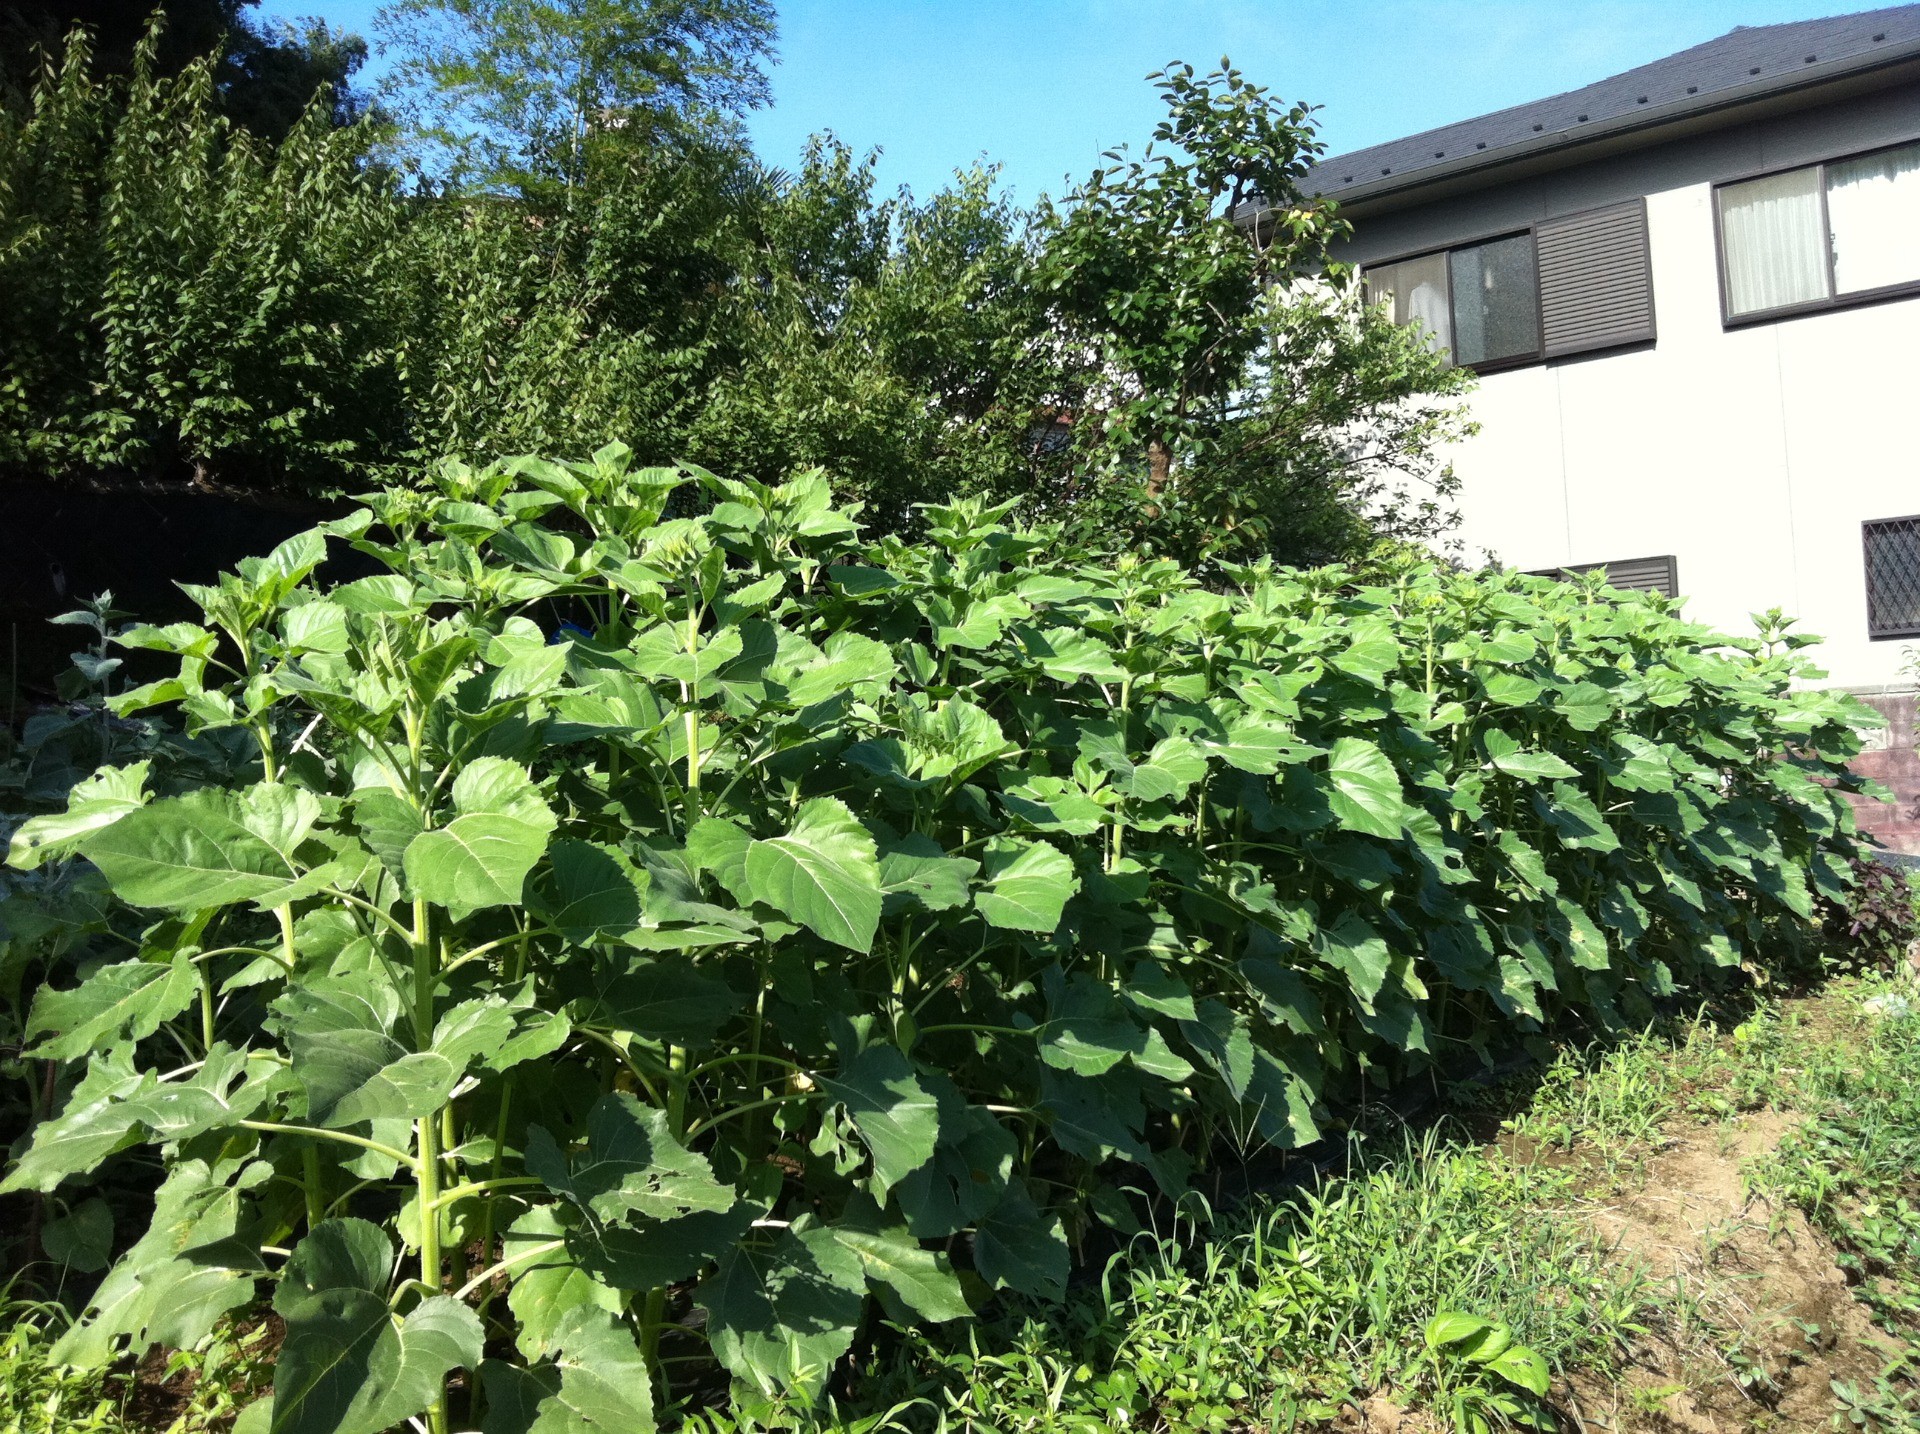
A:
{"points": [[1892, 552]]}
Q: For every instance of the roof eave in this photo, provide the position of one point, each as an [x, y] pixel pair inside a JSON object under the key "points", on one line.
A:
{"points": [[1558, 148]]}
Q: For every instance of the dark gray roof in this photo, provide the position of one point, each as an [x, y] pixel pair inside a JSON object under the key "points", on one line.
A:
{"points": [[1743, 62]]}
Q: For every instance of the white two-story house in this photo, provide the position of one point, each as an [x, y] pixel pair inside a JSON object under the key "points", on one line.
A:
{"points": [[1692, 293]]}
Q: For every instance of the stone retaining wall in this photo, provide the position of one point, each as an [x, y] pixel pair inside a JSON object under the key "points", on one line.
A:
{"points": [[1890, 759]]}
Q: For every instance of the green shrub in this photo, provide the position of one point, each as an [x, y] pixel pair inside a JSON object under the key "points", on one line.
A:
{"points": [[636, 915], [186, 295]]}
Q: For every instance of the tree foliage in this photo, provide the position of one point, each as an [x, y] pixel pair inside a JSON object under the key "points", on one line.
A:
{"points": [[1246, 399], [639, 941], [520, 93], [265, 75], [207, 305]]}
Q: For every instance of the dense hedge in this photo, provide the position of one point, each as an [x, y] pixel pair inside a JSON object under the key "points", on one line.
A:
{"points": [[726, 913]]}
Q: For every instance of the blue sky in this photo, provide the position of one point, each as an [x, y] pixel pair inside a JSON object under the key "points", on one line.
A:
{"points": [[1043, 86]]}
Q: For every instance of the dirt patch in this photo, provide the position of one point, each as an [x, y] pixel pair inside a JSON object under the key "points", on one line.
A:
{"points": [[1761, 1319], [1380, 1415]]}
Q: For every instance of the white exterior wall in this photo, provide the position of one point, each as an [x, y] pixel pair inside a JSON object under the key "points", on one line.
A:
{"points": [[1752, 454]]}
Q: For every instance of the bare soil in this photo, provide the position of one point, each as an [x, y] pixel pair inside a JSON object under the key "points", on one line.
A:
{"points": [[1764, 1320]]}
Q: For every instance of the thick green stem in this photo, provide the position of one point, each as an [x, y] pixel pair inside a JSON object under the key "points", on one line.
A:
{"points": [[655, 1314], [427, 1132], [515, 970], [690, 695], [207, 1008], [316, 1191]]}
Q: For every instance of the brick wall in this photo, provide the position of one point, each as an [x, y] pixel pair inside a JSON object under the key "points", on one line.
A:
{"points": [[1890, 759]]}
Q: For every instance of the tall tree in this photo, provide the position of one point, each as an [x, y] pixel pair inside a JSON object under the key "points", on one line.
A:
{"points": [[519, 93], [1247, 400]]}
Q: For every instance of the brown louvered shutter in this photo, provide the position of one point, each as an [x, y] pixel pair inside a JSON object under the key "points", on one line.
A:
{"points": [[1659, 575], [1596, 280]]}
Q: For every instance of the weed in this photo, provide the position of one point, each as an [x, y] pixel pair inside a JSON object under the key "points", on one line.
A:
{"points": [[1853, 1168], [38, 1396]]}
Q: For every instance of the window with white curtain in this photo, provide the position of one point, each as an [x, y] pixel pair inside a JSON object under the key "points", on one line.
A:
{"points": [[1479, 301], [1816, 236], [1873, 205], [1417, 289]]}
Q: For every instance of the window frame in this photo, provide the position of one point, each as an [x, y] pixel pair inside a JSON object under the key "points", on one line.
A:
{"points": [[1540, 356], [1885, 634], [1539, 318], [1834, 300]]}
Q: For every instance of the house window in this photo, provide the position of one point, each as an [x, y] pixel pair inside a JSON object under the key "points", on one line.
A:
{"points": [[1892, 550], [1656, 575], [1496, 301], [1417, 290], [1568, 285], [1821, 235]]}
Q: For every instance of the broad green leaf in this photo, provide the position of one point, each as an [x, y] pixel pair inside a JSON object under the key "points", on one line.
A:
{"points": [[82, 1239], [473, 1032], [1284, 994], [187, 854], [1018, 1247], [966, 1177], [587, 891], [922, 1278], [1505, 754], [597, 1382], [1095, 1117], [1274, 1093], [546, 1290], [316, 627], [670, 999], [388, 823], [1025, 885], [630, 1166], [1585, 706], [660, 1253], [182, 1276], [1575, 819], [114, 1107], [895, 1116], [916, 870], [1168, 771], [1452, 1327], [1510, 689], [780, 1316], [481, 858], [1256, 744], [1089, 1031], [1638, 765], [824, 873], [1066, 656], [1351, 946], [1523, 1368], [348, 1364], [1370, 654], [99, 801], [124, 1002], [717, 845], [1152, 987], [850, 661], [1054, 804], [1365, 789], [352, 1066]]}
